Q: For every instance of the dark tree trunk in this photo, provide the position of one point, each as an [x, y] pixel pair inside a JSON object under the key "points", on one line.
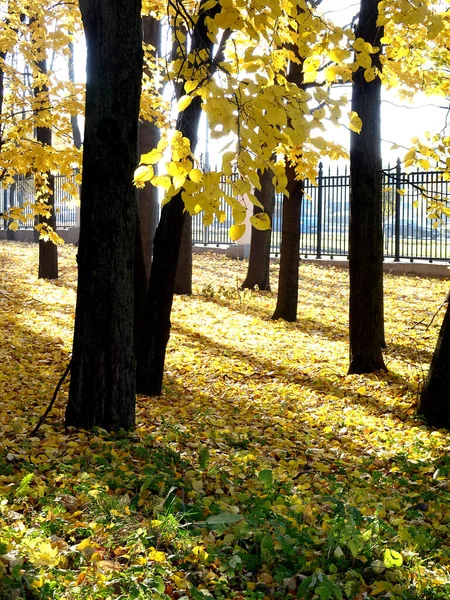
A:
{"points": [[183, 278], [434, 403], [102, 387], [48, 251], [365, 233], [140, 287], [259, 260], [73, 118], [2, 95], [287, 298], [148, 202], [166, 248]]}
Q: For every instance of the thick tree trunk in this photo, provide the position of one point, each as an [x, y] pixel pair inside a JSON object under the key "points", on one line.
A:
{"points": [[183, 278], [434, 403], [166, 248], [48, 251], [287, 298], [365, 233], [259, 260], [148, 201], [102, 387]]}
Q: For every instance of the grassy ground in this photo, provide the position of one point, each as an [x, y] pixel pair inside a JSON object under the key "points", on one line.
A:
{"points": [[264, 471]]}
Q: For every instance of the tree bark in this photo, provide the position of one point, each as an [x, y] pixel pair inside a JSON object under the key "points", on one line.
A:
{"points": [[48, 250], [102, 387], [365, 232], [287, 297], [148, 201], [434, 403], [258, 273], [183, 278], [166, 247]]}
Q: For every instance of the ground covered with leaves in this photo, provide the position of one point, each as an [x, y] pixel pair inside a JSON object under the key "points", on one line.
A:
{"points": [[264, 471]]}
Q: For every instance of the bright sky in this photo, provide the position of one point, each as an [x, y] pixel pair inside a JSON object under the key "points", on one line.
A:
{"points": [[400, 121]]}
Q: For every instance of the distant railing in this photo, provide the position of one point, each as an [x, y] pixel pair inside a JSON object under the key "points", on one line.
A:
{"points": [[22, 193], [324, 221]]}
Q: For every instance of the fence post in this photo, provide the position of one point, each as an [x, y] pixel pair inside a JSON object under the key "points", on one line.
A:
{"points": [[5, 207], [10, 233], [398, 175], [319, 210]]}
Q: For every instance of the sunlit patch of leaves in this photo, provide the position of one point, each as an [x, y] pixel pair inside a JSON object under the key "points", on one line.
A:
{"points": [[264, 471]]}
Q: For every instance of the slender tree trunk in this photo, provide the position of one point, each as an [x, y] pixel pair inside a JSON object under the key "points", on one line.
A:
{"points": [[73, 118], [258, 274], [48, 251], [287, 297], [102, 387], [166, 248], [365, 233], [434, 402], [183, 278], [2, 95], [148, 202]]}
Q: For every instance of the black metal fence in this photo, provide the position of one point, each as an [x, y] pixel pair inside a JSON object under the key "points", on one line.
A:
{"points": [[408, 232], [22, 193]]}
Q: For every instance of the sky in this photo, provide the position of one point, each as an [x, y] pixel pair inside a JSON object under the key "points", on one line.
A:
{"points": [[400, 121]]}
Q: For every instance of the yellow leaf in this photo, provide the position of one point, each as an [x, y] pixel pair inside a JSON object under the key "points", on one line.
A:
{"points": [[143, 174], [355, 122], [162, 181], [236, 232], [195, 175], [178, 181], [369, 74], [239, 213], [190, 85], [152, 157], [184, 102], [260, 221]]}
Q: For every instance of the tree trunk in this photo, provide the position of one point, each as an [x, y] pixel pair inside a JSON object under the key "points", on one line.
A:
{"points": [[183, 278], [434, 403], [102, 387], [48, 250], [148, 201], [166, 247], [259, 260], [365, 232], [287, 297]]}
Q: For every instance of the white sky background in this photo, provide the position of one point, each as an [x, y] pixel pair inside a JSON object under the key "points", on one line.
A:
{"points": [[400, 121]]}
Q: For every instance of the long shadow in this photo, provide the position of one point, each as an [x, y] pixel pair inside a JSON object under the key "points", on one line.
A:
{"points": [[333, 333], [303, 380]]}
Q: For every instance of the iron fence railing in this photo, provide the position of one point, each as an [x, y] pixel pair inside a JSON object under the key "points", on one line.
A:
{"points": [[22, 193], [408, 232]]}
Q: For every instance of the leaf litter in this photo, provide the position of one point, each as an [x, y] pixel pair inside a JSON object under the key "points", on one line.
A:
{"points": [[263, 471]]}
